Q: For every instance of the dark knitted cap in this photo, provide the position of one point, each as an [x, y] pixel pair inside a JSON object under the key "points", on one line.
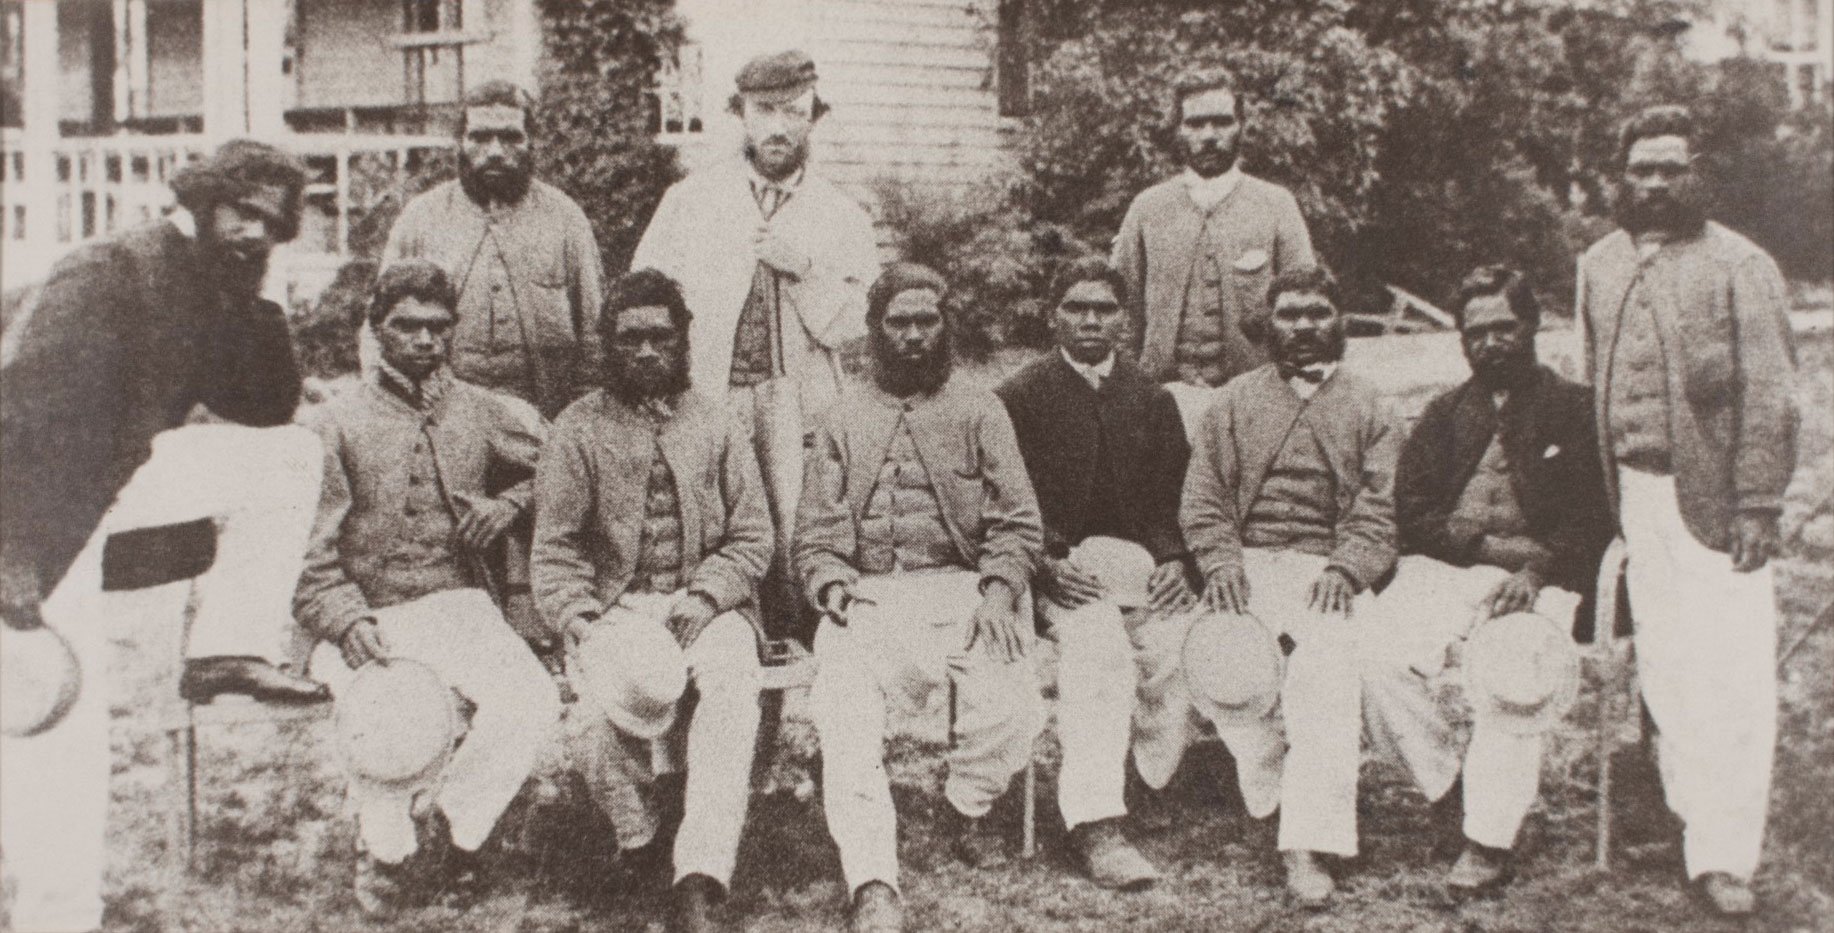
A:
{"points": [[781, 71]]}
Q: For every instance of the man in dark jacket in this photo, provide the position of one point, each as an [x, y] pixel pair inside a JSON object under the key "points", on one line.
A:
{"points": [[1106, 452], [127, 339], [1500, 505]]}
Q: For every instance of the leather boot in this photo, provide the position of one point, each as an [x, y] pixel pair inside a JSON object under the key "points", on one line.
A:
{"points": [[692, 911], [876, 909], [1306, 880], [1111, 860], [1730, 897], [975, 842], [206, 678], [1479, 868]]}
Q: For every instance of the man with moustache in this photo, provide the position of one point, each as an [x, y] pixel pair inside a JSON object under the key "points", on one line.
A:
{"points": [[1689, 348], [1199, 250], [144, 438], [1501, 508], [650, 512], [520, 253], [394, 571], [1106, 453], [1288, 509], [774, 261], [917, 536]]}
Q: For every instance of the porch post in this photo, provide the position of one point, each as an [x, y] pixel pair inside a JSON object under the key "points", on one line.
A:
{"points": [[36, 187], [267, 36], [225, 68]]}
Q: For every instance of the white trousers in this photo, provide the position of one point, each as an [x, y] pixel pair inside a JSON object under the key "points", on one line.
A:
{"points": [[463, 637], [261, 487], [1706, 642], [1430, 605], [899, 652], [1304, 758], [1096, 684], [721, 735]]}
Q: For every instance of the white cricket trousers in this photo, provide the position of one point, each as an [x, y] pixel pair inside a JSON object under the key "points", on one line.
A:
{"points": [[261, 486], [721, 733], [1430, 605], [1706, 643], [897, 653], [463, 637], [1304, 757]]}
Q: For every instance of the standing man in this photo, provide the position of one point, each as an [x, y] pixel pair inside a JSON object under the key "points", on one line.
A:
{"points": [[1199, 250], [520, 254], [774, 261], [1106, 453], [1501, 508], [395, 568], [917, 536], [128, 339], [650, 512], [1688, 345], [1289, 510]]}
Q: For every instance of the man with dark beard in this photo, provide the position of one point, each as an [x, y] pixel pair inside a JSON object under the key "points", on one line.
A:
{"points": [[1501, 508], [917, 535], [1199, 250], [650, 514], [520, 253], [774, 261], [1288, 509], [144, 440], [1688, 346]]}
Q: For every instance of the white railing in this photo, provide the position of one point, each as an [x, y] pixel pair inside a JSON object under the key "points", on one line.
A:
{"points": [[680, 98]]}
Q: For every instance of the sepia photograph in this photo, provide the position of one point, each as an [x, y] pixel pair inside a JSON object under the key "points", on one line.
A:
{"points": [[701, 466]]}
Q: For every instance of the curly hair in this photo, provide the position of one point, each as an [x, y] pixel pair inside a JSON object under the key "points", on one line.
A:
{"points": [[644, 288], [237, 169], [1498, 279], [410, 278]]}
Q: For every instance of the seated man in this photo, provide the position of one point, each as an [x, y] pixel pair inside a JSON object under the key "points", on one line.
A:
{"points": [[1288, 510], [1500, 503], [1106, 452], [404, 515], [916, 536], [650, 511]]}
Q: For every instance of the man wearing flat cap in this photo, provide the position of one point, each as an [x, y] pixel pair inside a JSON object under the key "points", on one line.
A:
{"points": [[145, 404], [774, 261]]}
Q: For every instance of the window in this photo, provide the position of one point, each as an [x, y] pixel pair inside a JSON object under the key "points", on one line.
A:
{"points": [[12, 62], [677, 101], [1012, 67]]}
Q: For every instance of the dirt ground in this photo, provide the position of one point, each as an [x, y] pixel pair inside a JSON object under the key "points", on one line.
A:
{"points": [[275, 847]]}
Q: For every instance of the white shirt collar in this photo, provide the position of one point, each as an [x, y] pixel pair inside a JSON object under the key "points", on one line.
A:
{"points": [[184, 221], [759, 182], [1304, 388], [1094, 374], [1207, 193]]}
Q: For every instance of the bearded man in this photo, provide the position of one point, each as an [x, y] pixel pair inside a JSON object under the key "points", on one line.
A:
{"points": [[1289, 510], [144, 439], [650, 512], [774, 261], [1689, 349], [917, 536], [1199, 250], [519, 251], [1501, 508]]}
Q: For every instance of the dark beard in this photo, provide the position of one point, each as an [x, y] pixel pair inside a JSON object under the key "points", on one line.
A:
{"points": [[503, 189], [635, 389], [1506, 373], [904, 378], [1227, 163], [1679, 214], [800, 157], [230, 274], [1328, 349]]}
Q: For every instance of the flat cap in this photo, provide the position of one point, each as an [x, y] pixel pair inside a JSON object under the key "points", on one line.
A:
{"points": [[781, 71]]}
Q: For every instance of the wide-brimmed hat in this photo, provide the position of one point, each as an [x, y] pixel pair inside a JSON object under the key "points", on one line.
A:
{"points": [[1521, 672], [39, 680], [633, 670], [1123, 568], [1233, 667], [396, 723]]}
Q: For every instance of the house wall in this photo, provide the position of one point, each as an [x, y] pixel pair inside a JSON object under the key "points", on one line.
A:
{"points": [[344, 59]]}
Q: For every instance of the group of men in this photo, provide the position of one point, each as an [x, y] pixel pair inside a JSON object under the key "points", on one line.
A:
{"points": [[651, 471]]}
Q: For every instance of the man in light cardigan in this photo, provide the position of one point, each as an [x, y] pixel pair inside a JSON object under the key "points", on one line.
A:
{"points": [[1198, 250]]}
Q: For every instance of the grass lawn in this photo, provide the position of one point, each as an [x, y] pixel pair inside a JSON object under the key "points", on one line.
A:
{"points": [[275, 847]]}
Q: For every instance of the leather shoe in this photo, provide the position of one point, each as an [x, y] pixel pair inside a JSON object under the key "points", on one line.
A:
{"points": [[1112, 861], [695, 896], [976, 843], [1479, 868], [205, 678], [1730, 897], [1306, 880], [876, 909]]}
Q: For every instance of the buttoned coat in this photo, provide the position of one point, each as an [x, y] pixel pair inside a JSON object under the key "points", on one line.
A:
{"points": [[1062, 422], [1721, 309], [701, 235], [1258, 232], [1244, 430], [125, 337], [590, 491], [362, 556], [1551, 445], [529, 288], [966, 444]]}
